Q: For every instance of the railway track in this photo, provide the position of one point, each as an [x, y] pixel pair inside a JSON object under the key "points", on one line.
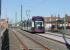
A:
{"points": [[52, 44], [24, 46], [27, 47]]}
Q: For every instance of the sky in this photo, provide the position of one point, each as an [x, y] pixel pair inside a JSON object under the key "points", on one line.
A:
{"points": [[37, 8]]}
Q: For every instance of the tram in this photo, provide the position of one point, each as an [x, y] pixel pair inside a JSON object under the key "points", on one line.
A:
{"points": [[36, 24]]}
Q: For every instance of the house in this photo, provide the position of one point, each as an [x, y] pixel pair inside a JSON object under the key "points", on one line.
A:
{"points": [[67, 18], [51, 21]]}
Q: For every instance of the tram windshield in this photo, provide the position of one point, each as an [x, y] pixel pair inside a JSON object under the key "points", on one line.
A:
{"points": [[38, 24]]}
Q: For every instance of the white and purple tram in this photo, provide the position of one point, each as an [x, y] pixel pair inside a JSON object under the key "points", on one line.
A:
{"points": [[36, 24]]}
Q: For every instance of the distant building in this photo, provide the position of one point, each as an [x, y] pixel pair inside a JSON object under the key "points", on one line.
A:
{"points": [[49, 21], [67, 18]]}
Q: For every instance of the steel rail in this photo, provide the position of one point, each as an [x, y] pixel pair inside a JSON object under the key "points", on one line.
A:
{"points": [[24, 46]]}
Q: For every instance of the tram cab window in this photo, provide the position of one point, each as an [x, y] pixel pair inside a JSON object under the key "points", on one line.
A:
{"points": [[38, 24]]}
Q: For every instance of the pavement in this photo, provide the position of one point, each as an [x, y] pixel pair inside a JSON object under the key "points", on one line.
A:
{"points": [[57, 36], [65, 39]]}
